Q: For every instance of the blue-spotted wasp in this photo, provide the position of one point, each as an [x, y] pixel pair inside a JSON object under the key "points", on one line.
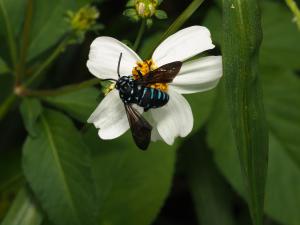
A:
{"points": [[137, 91]]}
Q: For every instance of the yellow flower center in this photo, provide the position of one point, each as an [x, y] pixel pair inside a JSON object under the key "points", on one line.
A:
{"points": [[145, 67]]}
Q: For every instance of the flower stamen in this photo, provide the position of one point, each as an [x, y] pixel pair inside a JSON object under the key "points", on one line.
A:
{"points": [[144, 67]]}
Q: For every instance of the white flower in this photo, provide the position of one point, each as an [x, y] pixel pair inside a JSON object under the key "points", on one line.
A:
{"points": [[175, 118]]}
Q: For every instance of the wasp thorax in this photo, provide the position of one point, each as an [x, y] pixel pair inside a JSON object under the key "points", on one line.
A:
{"points": [[125, 84]]}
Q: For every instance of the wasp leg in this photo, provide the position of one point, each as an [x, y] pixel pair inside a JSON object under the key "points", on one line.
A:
{"points": [[140, 74]]}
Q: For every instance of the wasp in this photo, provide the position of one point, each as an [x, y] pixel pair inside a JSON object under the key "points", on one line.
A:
{"points": [[137, 91]]}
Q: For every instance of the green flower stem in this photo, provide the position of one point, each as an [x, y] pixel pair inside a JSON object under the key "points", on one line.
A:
{"points": [[61, 90], [13, 97], [177, 24], [20, 70], [242, 36], [58, 50], [295, 10], [9, 34], [140, 34]]}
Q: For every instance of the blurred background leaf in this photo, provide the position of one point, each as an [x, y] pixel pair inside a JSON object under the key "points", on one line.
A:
{"points": [[282, 90], [131, 184], [212, 195], [78, 104], [281, 37], [3, 67], [24, 210], [49, 26], [134, 187], [11, 180], [30, 109], [280, 42], [62, 157]]}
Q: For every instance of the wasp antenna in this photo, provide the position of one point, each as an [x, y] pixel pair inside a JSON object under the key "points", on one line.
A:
{"points": [[119, 63]]}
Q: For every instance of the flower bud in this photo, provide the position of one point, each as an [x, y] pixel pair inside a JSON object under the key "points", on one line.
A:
{"points": [[146, 8], [84, 19]]}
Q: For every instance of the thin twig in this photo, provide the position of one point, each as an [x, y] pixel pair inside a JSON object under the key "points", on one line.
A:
{"points": [[9, 34], [20, 70], [140, 34], [59, 91]]}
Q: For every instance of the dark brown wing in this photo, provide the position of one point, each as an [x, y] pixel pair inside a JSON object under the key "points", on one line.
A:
{"points": [[140, 128], [163, 74]]}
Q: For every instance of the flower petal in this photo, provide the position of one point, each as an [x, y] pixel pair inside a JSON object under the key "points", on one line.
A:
{"points": [[155, 135], [174, 119], [182, 45], [104, 56], [110, 117], [198, 75]]}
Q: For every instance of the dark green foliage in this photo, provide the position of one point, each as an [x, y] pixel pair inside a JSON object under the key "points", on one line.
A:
{"points": [[242, 36], [66, 175], [63, 181]]}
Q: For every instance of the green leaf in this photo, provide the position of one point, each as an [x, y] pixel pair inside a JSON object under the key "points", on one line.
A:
{"points": [[79, 104], [48, 26], [130, 3], [281, 37], [242, 36], [280, 45], [3, 67], [132, 14], [30, 109], [16, 22], [23, 211], [213, 21], [210, 192], [11, 27], [281, 96], [160, 14], [132, 184], [57, 166], [12, 179]]}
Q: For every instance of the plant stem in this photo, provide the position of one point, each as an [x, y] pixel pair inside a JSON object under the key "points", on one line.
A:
{"points": [[140, 34], [21, 65], [9, 34], [295, 10], [10, 100], [61, 90], [60, 48]]}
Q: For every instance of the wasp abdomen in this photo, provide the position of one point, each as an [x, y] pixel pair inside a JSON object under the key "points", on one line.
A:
{"points": [[152, 98]]}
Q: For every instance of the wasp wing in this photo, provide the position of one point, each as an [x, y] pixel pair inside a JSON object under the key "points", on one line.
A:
{"points": [[163, 74], [140, 128]]}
